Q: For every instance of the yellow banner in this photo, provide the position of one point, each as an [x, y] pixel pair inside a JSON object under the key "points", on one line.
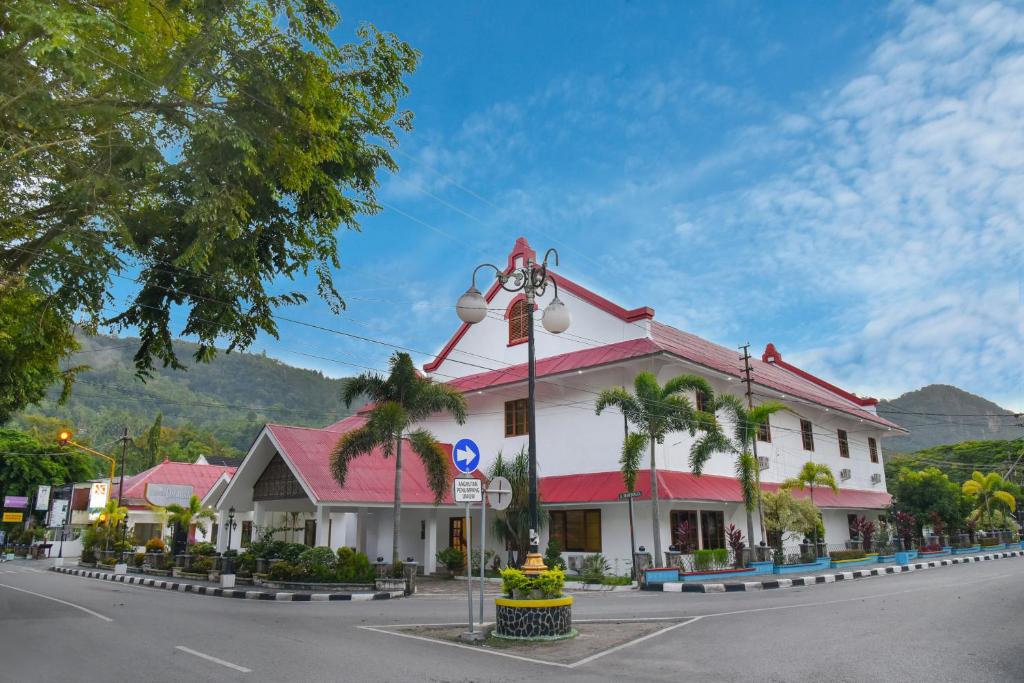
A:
{"points": [[13, 516]]}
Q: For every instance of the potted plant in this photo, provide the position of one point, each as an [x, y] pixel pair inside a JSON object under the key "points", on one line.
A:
{"points": [[533, 607]]}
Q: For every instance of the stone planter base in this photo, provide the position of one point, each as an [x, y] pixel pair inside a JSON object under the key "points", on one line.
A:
{"points": [[534, 619]]}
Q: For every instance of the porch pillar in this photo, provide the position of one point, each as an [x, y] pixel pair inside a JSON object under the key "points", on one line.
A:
{"points": [[323, 521], [429, 560], [257, 519], [700, 531], [362, 520], [222, 535]]}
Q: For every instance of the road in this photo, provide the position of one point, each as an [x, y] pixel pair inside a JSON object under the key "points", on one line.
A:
{"points": [[957, 623]]}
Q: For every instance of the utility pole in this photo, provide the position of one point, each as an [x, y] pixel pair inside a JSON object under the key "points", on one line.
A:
{"points": [[747, 370], [120, 493]]}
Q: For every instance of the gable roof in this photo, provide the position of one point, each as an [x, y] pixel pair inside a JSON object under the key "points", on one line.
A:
{"points": [[200, 477], [371, 478]]}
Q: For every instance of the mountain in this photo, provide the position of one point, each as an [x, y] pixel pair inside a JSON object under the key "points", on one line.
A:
{"points": [[941, 414], [220, 405], [959, 460]]}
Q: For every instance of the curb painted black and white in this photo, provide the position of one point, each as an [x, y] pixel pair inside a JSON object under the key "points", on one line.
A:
{"points": [[679, 587], [225, 592]]}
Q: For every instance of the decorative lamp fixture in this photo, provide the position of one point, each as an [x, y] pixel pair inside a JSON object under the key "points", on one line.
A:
{"points": [[556, 316], [471, 307]]}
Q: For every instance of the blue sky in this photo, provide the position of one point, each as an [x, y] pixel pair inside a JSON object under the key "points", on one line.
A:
{"points": [[845, 180]]}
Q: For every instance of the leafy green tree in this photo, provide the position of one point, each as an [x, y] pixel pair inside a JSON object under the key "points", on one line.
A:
{"points": [[187, 515], [989, 495], [400, 400], [812, 475], [652, 412], [512, 526], [746, 423], [26, 462], [203, 149], [926, 491]]}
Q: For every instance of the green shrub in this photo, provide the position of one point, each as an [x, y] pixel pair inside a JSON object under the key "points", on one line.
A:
{"points": [[246, 564], [398, 570], [123, 547], [353, 567], [88, 555], [452, 558], [284, 571], [841, 555], [593, 568], [720, 557], [345, 555], [318, 564], [109, 562], [553, 555], [203, 563], [986, 541], [547, 584], [138, 559], [617, 580], [203, 549], [155, 545], [703, 560]]}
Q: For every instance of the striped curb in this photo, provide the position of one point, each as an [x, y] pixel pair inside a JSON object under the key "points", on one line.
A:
{"points": [[745, 586], [227, 592]]}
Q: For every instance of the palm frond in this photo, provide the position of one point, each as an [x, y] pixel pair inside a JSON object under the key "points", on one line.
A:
{"points": [[709, 443], [632, 454], [747, 474], [688, 383], [617, 398], [435, 398], [370, 385], [434, 459], [351, 445]]}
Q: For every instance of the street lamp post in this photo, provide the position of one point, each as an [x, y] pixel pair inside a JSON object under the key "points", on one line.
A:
{"points": [[532, 279]]}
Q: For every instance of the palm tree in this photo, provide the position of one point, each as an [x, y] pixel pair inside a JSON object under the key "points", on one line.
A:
{"points": [[400, 400], [811, 475], [653, 411], [187, 515], [988, 493], [746, 423], [513, 525], [111, 518]]}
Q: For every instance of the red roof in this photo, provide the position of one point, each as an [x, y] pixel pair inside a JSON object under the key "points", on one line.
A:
{"points": [[200, 477], [371, 478], [599, 487], [666, 339]]}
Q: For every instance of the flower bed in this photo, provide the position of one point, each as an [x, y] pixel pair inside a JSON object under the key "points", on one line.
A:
{"points": [[533, 607], [315, 587]]}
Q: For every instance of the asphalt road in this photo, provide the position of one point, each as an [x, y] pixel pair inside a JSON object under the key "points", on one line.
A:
{"points": [[957, 623]]}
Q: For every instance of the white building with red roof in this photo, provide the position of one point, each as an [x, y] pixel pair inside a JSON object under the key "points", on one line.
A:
{"points": [[287, 470]]}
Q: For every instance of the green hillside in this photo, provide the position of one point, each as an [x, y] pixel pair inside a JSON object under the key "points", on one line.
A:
{"points": [[941, 414], [220, 405], [959, 460]]}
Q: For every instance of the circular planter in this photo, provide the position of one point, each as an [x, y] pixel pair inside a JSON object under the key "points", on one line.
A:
{"points": [[534, 619]]}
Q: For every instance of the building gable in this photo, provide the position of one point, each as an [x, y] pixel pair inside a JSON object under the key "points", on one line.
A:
{"points": [[277, 482]]}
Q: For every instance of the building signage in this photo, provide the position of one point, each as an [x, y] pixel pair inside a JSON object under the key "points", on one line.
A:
{"points": [[468, 490], [629, 494], [98, 498], [13, 516], [162, 495], [466, 456], [58, 513], [16, 502], [43, 497]]}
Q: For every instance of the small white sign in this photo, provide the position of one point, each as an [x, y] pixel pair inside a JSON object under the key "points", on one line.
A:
{"points": [[468, 491], [162, 495], [43, 497], [98, 498], [58, 513]]}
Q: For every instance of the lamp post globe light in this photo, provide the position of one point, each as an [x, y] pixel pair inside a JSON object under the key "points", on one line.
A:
{"points": [[532, 279]]}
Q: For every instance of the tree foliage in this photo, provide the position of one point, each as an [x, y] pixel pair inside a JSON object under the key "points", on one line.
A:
{"points": [[988, 494], [512, 526], [923, 492], [790, 517], [203, 149], [26, 462]]}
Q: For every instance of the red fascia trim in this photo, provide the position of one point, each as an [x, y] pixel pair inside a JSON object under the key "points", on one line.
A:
{"points": [[642, 313], [772, 355]]}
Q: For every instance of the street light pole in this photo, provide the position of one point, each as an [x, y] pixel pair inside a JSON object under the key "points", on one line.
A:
{"points": [[120, 494], [532, 279]]}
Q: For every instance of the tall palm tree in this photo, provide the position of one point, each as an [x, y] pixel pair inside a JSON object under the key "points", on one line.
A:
{"points": [[187, 515], [988, 494], [746, 423], [513, 525], [111, 518], [653, 411], [400, 400], [811, 475]]}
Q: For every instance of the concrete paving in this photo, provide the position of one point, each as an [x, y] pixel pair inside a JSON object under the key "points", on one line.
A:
{"points": [[955, 624]]}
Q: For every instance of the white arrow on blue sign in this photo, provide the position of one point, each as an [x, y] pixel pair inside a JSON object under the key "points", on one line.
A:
{"points": [[466, 456]]}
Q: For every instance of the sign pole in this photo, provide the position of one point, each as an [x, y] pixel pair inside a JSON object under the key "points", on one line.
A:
{"points": [[483, 546], [469, 574], [632, 539]]}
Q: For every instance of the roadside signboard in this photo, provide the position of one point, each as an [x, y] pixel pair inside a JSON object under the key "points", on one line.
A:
{"points": [[466, 456], [19, 502], [499, 493], [13, 516], [162, 495], [625, 495], [98, 498], [58, 513], [43, 497], [468, 490]]}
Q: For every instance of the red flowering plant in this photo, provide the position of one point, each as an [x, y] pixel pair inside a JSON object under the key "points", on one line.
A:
{"points": [[864, 529], [734, 538], [906, 526]]}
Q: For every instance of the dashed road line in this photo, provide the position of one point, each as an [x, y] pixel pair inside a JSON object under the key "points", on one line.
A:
{"points": [[211, 658]]}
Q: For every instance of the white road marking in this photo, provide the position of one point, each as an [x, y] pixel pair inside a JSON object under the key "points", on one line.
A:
{"points": [[464, 647], [63, 602], [211, 658], [620, 646]]}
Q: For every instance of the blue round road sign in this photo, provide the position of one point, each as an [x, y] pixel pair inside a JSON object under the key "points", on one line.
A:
{"points": [[466, 456]]}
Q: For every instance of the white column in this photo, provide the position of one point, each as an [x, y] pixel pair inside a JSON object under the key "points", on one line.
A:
{"points": [[323, 516], [362, 520], [222, 532], [700, 532], [430, 544]]}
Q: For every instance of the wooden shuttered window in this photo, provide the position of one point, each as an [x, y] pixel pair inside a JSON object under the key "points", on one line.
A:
{"points": [[873, 449], [517, 322], [577, 530], [764, 432], [844, 443], [517, 418], [807, 434]]}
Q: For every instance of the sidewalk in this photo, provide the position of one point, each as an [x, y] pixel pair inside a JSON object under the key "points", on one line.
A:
{"points": [[183, 585], [830, 575]]}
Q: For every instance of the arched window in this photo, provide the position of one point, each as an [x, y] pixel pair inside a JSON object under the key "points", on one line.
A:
{"points": [[517, 321]]}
